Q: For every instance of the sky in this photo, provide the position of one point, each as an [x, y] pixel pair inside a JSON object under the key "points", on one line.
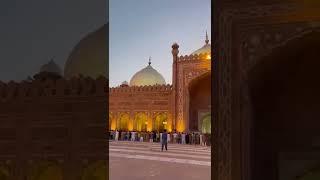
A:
{"points": [[34, 31], [143, 28]]}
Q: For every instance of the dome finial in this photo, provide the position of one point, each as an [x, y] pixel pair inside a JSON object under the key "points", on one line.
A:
{"points": [[149, 60], [207, 38]]}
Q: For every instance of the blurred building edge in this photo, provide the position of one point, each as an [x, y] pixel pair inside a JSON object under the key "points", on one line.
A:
{"points": [[53, 127]]}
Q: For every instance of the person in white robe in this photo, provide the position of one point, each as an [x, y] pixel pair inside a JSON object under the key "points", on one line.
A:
{"points": [[117, 135], [183, 138]]}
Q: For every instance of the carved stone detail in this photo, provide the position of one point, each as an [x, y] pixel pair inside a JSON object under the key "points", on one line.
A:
{"points": [[238, 25]]}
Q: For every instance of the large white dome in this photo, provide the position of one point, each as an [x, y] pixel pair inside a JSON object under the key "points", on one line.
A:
{"points": [[147, 76], [90, 56]]}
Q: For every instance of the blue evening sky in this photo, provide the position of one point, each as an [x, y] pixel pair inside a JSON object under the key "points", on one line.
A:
{"points": [[143, 28]]}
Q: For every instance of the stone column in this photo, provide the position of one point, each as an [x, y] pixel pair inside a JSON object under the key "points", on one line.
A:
{"points": [[149, 119], [131, 121]]}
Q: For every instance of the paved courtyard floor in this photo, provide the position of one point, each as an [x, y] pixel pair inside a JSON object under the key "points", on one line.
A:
{"points": [[145, 161]]}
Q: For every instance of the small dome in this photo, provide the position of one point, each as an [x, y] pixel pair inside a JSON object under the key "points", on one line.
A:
{"points": [[90, 56], [51, 67], [206, 49], [124, 83], [147, 76]]}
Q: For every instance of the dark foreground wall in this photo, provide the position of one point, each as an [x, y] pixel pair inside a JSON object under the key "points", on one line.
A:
{"points": [[245, 33], [53, 128]]}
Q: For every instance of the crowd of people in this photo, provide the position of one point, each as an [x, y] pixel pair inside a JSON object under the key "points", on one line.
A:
{"points": [[195, 138]]}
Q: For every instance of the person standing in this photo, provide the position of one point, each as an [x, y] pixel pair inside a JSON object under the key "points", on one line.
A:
{"points": [[168, 138], [164, 140], [117, 135], [183, 136], [161, 137], [179, 138], [158, 136], [192, 138], [187, 138], [175, 137], [151, 136]]}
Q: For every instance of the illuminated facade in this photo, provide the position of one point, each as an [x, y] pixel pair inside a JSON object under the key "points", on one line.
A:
{"points": [[147, 103]]}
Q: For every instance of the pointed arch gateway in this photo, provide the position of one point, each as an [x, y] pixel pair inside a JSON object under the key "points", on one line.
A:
{"points": [[123, 121], [200, 103], [140, 120], [160, 121]]}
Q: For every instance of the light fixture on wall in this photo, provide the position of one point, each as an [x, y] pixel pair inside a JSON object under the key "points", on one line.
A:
{"points": [[208, 57]]}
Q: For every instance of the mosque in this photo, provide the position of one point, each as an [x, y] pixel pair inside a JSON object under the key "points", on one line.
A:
{"points": [[147, 103]]}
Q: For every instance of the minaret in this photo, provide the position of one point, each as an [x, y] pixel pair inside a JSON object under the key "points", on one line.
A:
{"points": [[207, 39], [175, 52]]}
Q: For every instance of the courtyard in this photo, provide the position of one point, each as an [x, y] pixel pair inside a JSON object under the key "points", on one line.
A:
{"points": [[144, 161]]}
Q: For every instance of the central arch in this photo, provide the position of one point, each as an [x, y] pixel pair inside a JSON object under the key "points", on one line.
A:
{"points": [[140, 120], [160, 121], [284, 91], [199, 101]]}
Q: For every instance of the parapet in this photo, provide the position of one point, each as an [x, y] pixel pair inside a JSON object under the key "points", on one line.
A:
{"points": [[81, 86], [195, 57], [157, 88]]}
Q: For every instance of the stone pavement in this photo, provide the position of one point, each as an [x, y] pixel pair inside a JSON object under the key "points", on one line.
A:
{"points": [[145, 161]]}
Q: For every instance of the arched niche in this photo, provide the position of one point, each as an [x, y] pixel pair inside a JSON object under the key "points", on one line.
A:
{"points": [[284, 92], [199, 100], [140, 120], [160, 121], [123, 121]]}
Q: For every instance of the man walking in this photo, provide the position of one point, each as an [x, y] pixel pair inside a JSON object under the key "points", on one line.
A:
{"points": [[164, 140]]}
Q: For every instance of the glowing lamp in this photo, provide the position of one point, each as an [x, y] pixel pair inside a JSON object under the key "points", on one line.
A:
{"points": [[208, 57]]}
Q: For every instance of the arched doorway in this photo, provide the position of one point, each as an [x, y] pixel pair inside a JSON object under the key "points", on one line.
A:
{"points": [[284, 91], [45, 171], [140, 120], [206, 124], [123, 122], [199, 100], [160, 121], [95, 171]]}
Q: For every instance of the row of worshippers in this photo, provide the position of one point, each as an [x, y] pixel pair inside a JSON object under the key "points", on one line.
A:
{"points": [[156, 136]]}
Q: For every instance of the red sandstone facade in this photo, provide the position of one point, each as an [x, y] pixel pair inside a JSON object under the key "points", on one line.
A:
{"points": [[160, 106]]}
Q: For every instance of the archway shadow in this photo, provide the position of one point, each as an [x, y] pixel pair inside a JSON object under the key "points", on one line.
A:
{"points": [[285, 94], [200, 99]]}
